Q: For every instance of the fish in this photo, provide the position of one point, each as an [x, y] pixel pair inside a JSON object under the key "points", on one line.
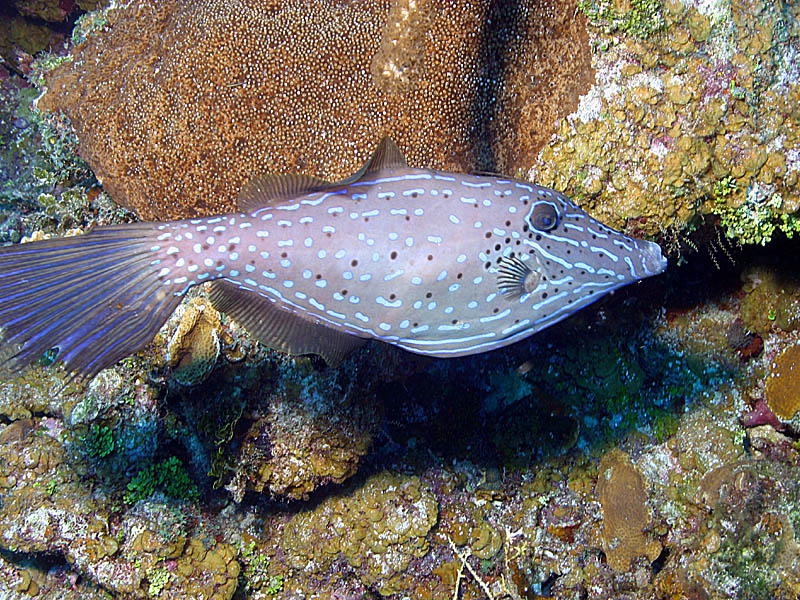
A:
{"points": [[436, 263]]}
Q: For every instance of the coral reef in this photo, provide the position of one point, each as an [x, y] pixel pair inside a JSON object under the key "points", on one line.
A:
{"points": [[195, 346], [47, 509], [700, 118], [783, 384], [379, 529], [772, 299], [176, 107], [626, 515], [642, 449]]}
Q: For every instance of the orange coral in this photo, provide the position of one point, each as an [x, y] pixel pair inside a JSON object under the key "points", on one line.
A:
{"points": [[783, 384], [178, 104], [625, 513]]}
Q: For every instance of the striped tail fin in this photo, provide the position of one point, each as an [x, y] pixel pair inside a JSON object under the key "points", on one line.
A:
{"points": [[95, 298]]}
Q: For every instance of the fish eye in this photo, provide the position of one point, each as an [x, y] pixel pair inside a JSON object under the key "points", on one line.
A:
{"points": [[544, 217]]}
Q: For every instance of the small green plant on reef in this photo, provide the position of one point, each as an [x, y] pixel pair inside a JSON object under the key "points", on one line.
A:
{"points": [[754, 221], [256, 573], [168, 476], [87, 24], [275, 585], [159, 578], [98, 441], [643, 19]]}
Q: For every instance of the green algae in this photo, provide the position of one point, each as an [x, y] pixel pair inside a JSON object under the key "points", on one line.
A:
{"points": [[168, 476], [756, 221], [644, 19], [98, 441], [159, 579]]}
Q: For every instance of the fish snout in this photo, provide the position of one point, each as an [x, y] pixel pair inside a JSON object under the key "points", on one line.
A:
{"points": [[652, 258]]}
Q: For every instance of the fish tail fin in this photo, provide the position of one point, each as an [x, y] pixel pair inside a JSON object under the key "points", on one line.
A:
{"points": [[95, 298]]}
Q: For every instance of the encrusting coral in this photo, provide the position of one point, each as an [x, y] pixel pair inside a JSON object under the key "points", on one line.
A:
{"points": [[698, 117], [378, 529], [176, 106]]}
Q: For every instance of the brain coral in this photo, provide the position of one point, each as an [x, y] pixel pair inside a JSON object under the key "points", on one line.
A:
{"points": [[177, 104]]}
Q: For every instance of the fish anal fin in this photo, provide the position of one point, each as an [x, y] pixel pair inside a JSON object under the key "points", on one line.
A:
{"points": [[280, 329], [271, 190]]}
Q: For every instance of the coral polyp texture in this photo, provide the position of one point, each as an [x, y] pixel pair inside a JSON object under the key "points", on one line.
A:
{"points": [[176, 106], [697, 116]]}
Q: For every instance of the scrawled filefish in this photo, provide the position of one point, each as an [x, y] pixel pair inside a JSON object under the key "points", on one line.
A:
{"points": [[436, 263]]}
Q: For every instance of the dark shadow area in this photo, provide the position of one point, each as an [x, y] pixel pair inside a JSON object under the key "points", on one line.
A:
{"points": [[500, 29], [596, 376]]}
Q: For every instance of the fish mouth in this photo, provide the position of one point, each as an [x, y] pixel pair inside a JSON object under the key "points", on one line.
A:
{"points": [[653, 260]]}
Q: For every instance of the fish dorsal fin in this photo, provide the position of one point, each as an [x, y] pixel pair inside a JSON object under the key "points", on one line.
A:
{"points": [[280, 329], [270, 190], [386, 156]]}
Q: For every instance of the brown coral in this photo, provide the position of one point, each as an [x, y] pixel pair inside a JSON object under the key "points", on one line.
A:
{"points": [[625, 514], [783, 384], [177, 105], [379, 527]]}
